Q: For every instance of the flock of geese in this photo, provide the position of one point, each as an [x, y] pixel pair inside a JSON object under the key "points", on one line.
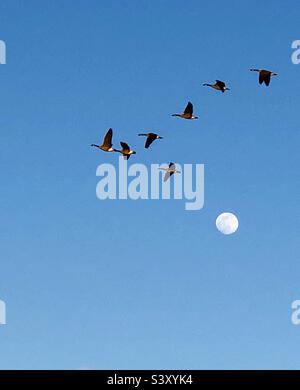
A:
{"points": [[126, 151]]}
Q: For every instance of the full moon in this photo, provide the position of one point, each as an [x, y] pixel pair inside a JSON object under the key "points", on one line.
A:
{"points": [[227, 223]]}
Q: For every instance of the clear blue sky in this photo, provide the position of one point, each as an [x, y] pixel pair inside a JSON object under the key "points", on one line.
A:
{"points": [[146, 284]]}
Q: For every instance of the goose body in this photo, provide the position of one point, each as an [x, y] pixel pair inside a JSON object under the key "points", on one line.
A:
{"points": [[126, 151], [151, 137], [107, 142], [264, 76], [187, 113], [169, 171], [218, 85]]}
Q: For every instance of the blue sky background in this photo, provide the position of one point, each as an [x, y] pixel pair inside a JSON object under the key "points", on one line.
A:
{"points": [[146, 284]]}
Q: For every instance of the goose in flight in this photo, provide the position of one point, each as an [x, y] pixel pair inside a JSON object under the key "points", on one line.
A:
{"points": [[187, 113], [219, 85], [126, 151], [264, 75], [150, 138], [169, 171], [107, 144]]}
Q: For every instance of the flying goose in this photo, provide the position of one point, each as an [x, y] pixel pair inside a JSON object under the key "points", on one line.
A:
{"points": [[188, 112], [264, 75], [107, 144], [150, 138], [126, 151], [169, 171], [219, 85]]}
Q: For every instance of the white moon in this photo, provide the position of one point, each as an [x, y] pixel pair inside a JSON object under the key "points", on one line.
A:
{"points": [[227, 223]]}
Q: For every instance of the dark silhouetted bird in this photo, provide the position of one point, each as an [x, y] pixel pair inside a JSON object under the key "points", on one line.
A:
{"points": [[188, 112], [150, 138], [169, 171], [107, 144], [126, 151], [219, 85], [264, 75]]}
